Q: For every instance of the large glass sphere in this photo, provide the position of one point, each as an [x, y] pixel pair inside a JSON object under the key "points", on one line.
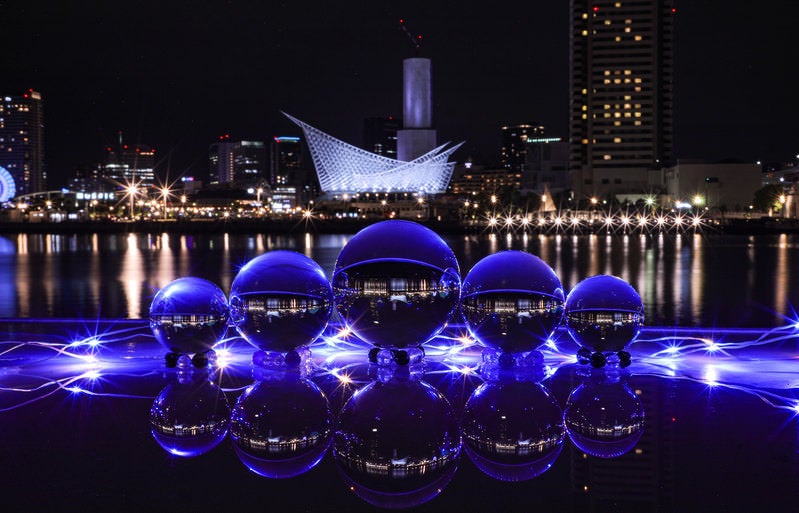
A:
{"points": [[604, 417], [513, 430], [512, 300], [397, 443], [280, 300], [281, 427], [604, 313], [396, 284], [190, 416], [189, 315]]}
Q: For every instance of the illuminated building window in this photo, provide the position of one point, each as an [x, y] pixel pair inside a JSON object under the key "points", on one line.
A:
{"points": [[617, 140], [606, 157], [637, 37]]}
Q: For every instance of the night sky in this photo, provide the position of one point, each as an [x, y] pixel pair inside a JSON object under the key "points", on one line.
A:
{"points": [[176, 75]]}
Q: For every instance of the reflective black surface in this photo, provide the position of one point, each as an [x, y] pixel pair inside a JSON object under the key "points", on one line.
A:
{"points": [[710, 425]]}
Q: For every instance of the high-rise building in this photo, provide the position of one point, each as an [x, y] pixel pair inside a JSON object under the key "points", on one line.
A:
{"points": [[285, 158], [242, 162], [22, 141], [547, 165], [620, 95], [380, 135], [514, 144], [130, 163]]}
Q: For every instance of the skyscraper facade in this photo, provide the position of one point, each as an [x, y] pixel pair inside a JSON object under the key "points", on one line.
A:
{"points": [[130, 163], [22, 141], [242, 162], [285, 158], [514, 144], [621, 92]]}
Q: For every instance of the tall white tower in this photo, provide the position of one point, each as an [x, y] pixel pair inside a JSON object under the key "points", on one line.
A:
{"points": [[417, 136]]}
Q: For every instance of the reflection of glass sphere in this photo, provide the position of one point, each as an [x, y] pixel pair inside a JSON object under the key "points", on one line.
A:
{"points": [[396, 284], [281, 427], [190, 416], [512, 300], [397, 444], [280, 300], [513, 430], [604, 417], [189, 315], [604, 313]]}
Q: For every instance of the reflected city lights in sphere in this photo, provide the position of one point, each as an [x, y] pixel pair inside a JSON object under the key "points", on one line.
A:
{"points": [[396, 284], [190, 416], [397, 443], [189, 315], [281, 428], [604, 417], [513, 430], [280, 301], [512, 300], [604, 313]]}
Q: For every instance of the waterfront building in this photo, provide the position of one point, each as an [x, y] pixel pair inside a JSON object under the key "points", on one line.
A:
{"points": [[22, 141], [514, 144], [546, 165], [621, 88], [346, 169], [129, 163], [477, 180], [728, 186], [242, 162]]}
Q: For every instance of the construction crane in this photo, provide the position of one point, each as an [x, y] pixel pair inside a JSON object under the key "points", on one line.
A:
{"points": [[416, 41]]}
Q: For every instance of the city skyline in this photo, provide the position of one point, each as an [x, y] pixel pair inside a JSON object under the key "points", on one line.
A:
{"points": [[157, 75]]}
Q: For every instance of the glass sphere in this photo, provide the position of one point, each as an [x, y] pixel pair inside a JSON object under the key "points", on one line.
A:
{"points": [[604, 417], [604, 313], [513, 430], [396, 284], [512, 301], [397, 443], [281, 427], [190, 416], [280, 301], [189, 315]]}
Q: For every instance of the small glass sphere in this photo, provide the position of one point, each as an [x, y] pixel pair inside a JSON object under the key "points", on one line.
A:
{"points": [[189, 315], [603, 416], [190, 416], [280, 301], [396, 284], [513, 430], [604, 313], [281, 427], [397, 443], [512, 300]]}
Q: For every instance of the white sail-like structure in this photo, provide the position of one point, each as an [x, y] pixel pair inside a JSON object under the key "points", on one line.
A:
{"points": [[344, 168]]}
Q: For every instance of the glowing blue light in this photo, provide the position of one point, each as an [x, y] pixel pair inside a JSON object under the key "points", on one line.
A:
{"points": [[512, 300], [280, 301], [7, 187], [396, 284], [189, 315]]}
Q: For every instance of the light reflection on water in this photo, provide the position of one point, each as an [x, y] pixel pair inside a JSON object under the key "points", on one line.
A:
{"points": [[685, 280]]}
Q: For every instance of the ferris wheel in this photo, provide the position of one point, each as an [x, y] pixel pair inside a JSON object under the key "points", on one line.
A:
{"points": [[7, 188]]}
